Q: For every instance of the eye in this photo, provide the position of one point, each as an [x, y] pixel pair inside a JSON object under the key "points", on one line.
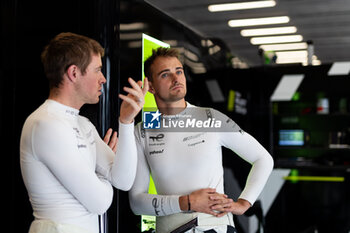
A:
{"points": [[164, 75], [179, 72]]}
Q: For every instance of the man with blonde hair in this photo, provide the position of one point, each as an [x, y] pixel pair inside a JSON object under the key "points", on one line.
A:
{"points": [[67, 168]]}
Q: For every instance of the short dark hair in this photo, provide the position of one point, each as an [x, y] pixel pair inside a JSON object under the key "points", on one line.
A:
{"points": [[159, 52], [68, 49]]}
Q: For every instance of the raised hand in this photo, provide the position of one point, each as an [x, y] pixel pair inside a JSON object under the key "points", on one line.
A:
{"points": [[133, 102]]}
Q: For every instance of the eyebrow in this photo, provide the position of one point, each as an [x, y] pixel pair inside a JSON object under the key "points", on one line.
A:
{"points": [[167, 70]]}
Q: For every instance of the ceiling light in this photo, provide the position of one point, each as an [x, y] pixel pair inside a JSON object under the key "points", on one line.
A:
{"points": [[190, 55], [275, 39], [131, 26], [292, 54], [135, 44], [281, 47], [240, 6], [172, 43], [268, 31], [303, 60], [291, 60], [258, 21]]}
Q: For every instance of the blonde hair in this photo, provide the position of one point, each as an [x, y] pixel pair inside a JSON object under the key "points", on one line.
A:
{"points": [[68, 49]]}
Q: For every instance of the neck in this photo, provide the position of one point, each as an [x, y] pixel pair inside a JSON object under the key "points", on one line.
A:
{"points": [[171, 108], [59, 96]]}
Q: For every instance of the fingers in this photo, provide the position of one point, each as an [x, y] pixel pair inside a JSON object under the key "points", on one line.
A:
{"points": [[209, 201], [136, 91], [111, 139], [129, 100], [113, 142], [132, 102], [221, 214], [134, 84], [222, 204], [138, 86], [218, 196], [132, 91], [108, 136], [145, 86], [233, 207]]}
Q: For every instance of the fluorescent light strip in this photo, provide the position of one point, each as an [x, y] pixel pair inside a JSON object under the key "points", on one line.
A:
{"points": [[131, 26], [268, 31], [275, 39], [135, 44], [302, 60], [291, 60], [299, 56], [292, 54], [258, 21], [240, 6], [282, 47]]}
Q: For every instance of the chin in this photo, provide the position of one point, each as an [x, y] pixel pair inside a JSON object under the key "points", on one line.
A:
{"points": [[178, 97], [94, 101]]}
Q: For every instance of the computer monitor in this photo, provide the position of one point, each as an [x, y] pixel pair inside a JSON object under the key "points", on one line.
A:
{"points": [[291, 137]]}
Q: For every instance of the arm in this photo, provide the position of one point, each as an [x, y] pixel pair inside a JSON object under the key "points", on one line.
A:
{"points": [[142, 202], [55, 145], [249, 149], [253, 152], [120, 169]]}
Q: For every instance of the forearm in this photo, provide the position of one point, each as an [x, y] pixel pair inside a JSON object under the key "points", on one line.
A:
{"points": [[156, 205], [125, 161], [249, 149], [257, 178]]}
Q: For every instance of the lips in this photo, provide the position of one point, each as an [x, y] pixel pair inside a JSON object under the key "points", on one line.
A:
{"points": [[176, 87]]}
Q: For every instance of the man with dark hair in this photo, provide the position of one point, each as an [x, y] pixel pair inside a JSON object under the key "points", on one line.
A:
{"points": [[185, 159], [66, 167], [160, 52]]}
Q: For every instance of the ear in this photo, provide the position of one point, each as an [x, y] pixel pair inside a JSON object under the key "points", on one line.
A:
{"points": [[150, 87], [72, 73]]}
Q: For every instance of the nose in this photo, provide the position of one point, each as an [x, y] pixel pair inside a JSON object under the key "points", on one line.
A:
{"points": [[103, 79], [174, 78]]}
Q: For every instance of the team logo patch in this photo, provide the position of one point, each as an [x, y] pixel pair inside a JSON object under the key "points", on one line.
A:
{"points": [[151, 120]]}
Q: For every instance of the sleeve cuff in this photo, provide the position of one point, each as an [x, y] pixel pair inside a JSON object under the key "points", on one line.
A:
{"points": [[126, 128]]}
